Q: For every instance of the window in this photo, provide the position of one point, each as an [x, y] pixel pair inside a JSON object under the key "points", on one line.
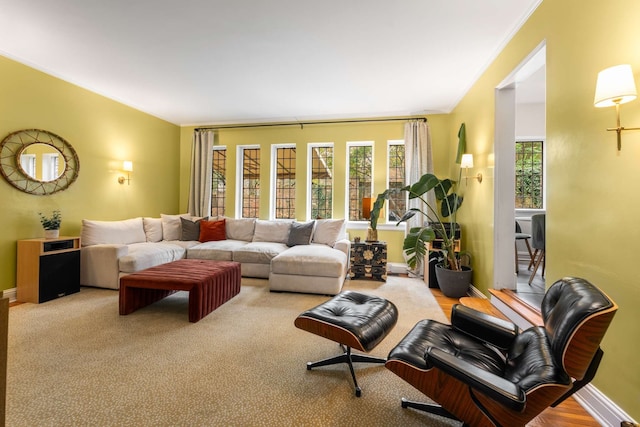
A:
{"points": [[321, 180], [284, 181], [50, 165], [28, 164], [360, 160], [529, 175], [249, 181], [397, 204], [218, 181]]}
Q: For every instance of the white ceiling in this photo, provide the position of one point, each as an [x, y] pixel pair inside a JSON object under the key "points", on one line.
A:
{"points": [[215, 62]]}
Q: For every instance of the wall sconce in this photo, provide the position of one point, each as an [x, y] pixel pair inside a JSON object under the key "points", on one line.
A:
{"points": [[466, 163], [127, 166], [615, 86]]}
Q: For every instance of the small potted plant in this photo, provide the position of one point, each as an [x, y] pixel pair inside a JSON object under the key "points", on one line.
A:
{"points": [[51, 224]]}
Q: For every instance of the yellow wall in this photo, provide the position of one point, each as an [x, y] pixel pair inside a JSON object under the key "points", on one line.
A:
{"points": [[103, 133], [339, 134], [592, 199]]}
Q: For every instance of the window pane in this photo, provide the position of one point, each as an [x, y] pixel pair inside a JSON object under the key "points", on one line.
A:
{"points": [[285, 191], [398, 202], [321, 182], [218, 181], [250, 183], [360, 175], [529, 175]]}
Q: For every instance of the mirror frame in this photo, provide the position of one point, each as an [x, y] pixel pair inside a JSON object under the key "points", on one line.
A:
{"points": [[16, 142]]}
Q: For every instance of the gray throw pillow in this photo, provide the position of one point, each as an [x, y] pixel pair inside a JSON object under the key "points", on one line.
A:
{"points": [[300, 233], [190, 229]]}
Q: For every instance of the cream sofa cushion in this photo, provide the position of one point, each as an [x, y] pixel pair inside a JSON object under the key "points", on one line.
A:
{"points": [[310, 260], [258, 252], [217, 250], [152, 229], [172, 226], [328, 231], [272, 231], [145, 255], [240, 229], [112, 232]]}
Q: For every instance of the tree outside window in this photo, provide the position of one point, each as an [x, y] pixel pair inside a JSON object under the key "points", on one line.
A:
{"points": [[321, 182], [529, 175], [218, 181], [360, 178]]}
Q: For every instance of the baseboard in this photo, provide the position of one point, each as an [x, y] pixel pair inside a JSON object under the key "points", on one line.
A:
{"points": [[397, 267], [10, 293], [474, 292], [599, 406]]}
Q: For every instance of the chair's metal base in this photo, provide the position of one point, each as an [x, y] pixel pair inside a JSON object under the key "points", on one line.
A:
{"points": [[349, 359], [431, 408]]}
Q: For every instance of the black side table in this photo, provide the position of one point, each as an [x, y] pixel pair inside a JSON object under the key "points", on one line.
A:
{"points": [[369, 260]]}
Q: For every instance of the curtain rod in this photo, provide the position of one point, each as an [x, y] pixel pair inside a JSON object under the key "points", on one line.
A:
{"points": [[301, 124]]}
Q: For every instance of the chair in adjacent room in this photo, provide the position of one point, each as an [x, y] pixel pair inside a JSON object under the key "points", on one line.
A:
{"points": [[524, 237], [486, 371], [538, 230]]}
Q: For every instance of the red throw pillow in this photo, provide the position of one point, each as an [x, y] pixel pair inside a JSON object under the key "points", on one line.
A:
{"points": [[212, 230]]}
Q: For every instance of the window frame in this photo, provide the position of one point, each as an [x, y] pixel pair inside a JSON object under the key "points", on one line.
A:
{"points": [[349, 145], [310, 147], [273, 177], [220, 148], [542, 140], [240, 173], [390, 143]]}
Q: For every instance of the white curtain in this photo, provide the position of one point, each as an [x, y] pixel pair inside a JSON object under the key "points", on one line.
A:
{"points": [[418, 161], [201, 172]]}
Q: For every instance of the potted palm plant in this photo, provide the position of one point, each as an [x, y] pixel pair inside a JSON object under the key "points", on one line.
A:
{"points": [[448, 201], [51, 224]]}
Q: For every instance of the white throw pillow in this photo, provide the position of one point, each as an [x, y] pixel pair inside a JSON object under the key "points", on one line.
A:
{"points": [[152, 229], [272, 231], [240, 229], [122, 232], [172, 226], [328, 231]]}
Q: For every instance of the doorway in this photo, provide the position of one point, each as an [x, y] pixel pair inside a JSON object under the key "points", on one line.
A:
{"points": [[520, 115]]}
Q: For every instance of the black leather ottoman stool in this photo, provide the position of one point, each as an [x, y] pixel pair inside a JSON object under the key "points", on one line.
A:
{"points": [[353, 320]]}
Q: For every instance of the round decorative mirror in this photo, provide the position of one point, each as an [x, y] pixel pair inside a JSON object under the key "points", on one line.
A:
{"points": [[38, 162]]}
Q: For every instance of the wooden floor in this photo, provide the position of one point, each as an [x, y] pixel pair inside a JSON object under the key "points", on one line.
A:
{"points": [[567, 414]]}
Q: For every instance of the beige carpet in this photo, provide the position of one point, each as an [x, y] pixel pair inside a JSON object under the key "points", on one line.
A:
{"points": [[75, 362]]}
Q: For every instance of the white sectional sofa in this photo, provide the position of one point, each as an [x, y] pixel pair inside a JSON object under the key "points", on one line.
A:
{"points": [[310, 257]]}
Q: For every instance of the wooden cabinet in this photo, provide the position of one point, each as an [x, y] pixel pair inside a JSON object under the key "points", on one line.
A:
{"points": [[369, 260], [47, 268]]}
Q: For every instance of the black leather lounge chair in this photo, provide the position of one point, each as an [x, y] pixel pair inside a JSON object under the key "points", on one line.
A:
{"points": [[485, 371]]}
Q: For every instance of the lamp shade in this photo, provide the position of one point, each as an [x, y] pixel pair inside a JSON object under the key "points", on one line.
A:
{"points": [[127, 166], [466, 161], [615, 85]]}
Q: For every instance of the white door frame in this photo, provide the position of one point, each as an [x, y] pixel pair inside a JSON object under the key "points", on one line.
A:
{"points": [[504, 276]]}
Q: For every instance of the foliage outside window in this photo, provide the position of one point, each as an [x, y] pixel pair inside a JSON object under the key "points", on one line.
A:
{"points": [[250, 183], [321, 182], [529, 175], [360, 177], [397, 202], [285, 182], [218, 181]]}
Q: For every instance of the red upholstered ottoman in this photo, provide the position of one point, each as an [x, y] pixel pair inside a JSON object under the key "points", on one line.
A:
{"points": [[210, 284]]}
